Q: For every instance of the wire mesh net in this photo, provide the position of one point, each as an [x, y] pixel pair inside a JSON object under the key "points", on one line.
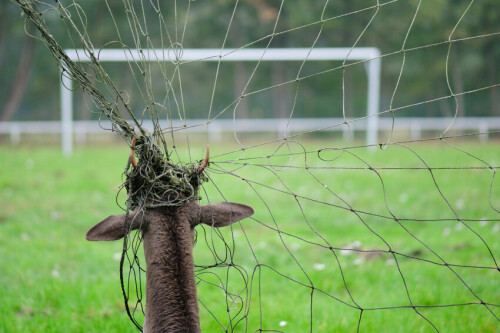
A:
{"points": [[344, 237]]}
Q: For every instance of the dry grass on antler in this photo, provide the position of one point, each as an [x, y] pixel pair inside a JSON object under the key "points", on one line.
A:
{"points": [[156, 180], [205, 162], [132, 153]]}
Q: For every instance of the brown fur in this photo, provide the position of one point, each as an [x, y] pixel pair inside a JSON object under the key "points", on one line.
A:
{"points": [[171, 301], [170, 269]]}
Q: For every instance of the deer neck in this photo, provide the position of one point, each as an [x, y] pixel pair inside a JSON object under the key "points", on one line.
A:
{"points": [[171, 302]]}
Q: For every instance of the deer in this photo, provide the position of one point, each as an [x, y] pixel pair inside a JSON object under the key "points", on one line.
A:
{"points": [[168, 238]]}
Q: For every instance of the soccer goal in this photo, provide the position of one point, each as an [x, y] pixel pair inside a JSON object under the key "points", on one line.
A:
{"points": [[370, 56]]}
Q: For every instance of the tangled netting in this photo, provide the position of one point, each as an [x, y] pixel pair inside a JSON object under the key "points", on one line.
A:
{"points": [[344, 238], [156, 181]]}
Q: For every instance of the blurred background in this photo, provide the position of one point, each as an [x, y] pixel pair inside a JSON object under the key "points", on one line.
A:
{"points": [[30, 76]]}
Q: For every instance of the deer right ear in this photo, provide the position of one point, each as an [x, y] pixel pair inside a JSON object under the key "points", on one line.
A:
{"points": [[113, 227], [224, 213]]}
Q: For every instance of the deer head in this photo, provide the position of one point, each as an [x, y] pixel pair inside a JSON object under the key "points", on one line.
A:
{"points": [[168, 234]]}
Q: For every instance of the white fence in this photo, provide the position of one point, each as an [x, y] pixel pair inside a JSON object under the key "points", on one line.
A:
{"points": [[370, 56], [283, 127]]}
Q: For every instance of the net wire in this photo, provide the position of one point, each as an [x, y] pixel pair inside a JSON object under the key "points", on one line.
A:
{"points": [[159, 177]]}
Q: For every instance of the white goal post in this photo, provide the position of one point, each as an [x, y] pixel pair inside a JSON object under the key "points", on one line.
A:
{"points": [[369, 54]]}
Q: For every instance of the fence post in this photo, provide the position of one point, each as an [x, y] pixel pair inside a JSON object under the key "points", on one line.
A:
{"points": [[15, 134], [347, 132], [483, 130], [214, 131], [373, 100], [66, 113], [415, 130]]}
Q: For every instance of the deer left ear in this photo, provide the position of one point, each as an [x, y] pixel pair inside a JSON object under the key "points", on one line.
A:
{"points": [[113, 227], [224, 213]]}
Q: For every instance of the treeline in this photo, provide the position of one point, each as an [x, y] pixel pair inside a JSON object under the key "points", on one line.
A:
{"points": [[431, 49]]}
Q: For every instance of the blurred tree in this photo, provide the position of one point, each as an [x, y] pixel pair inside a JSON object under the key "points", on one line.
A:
{"points": [[254, 23], [485, 19], [3, 23], [22, 74]]}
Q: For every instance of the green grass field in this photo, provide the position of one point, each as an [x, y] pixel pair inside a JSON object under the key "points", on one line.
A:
{"points": [[54, 281]]}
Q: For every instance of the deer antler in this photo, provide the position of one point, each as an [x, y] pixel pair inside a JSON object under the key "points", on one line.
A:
{"points": [[132, 153], [205, 162]]}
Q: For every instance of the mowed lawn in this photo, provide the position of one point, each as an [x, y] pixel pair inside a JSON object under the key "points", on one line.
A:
{"points": [[424, 243]]}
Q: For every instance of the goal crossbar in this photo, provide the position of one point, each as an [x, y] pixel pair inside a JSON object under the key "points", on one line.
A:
{"points": [[370, 54]]}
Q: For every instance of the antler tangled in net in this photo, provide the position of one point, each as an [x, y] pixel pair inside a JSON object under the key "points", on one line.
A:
{"points": [[156, 181]]}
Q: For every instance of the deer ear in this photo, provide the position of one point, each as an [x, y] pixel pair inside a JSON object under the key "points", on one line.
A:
{"points": [[224, 213], [113, 227]]}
